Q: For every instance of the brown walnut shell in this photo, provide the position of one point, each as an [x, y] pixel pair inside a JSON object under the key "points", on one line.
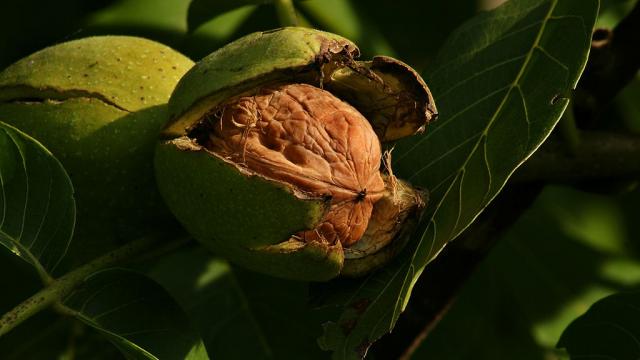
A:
{"points": [[306, 137]]}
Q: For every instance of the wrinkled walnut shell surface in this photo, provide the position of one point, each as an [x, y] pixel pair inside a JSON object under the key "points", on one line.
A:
{"points": [[306, 137], [287, 179]]}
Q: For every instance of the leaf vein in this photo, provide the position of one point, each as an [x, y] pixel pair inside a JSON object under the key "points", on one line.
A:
{"points": [[484, 47], [499, 109], [117, 308], [480, 73], [445, 154], [451, 118], [553, 58]]}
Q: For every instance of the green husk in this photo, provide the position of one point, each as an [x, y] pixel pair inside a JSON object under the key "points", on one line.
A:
{"points": [[98, 104]]}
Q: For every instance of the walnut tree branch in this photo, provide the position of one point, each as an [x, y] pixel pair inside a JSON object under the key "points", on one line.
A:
{"points": [[598, 156], [59, 288], [614, 61], [437, 288]]}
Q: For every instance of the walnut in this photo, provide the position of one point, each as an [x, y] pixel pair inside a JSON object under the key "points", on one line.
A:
{"points": [[307, 137], [272, 154]]}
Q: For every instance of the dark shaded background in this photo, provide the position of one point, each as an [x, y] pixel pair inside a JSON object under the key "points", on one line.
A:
{"points": [[412, 30], [571, 248]]}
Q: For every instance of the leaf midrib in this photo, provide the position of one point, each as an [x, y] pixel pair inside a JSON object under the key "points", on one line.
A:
{"points": [[245, 305], [460, 171], [515, 84], [31, 258], [89, 321]]}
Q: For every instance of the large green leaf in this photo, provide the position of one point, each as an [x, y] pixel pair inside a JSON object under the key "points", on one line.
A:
{"points": [[415, 29], [136, 315], [609, 330], [164, 21], [343, 17], [38, 335], [201, 11], [240, 314], [501, 84], [37, 209], [37, 215], [167, 15]]}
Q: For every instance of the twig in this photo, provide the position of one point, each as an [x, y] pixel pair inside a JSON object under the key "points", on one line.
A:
{"points": [[569, 131], [600, 155], [61, 287], [613, 63], [438, 286], [408, 353]]}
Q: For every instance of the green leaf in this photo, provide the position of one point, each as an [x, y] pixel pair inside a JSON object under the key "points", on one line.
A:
{"points": [[414, 29], [201, 11], [501, 83], [136, 315], [40, 337], [627, 104], [241, 314], [164, 21], [610, 329], [167, 15], [567, 251], [37, 209], [343, 18]]}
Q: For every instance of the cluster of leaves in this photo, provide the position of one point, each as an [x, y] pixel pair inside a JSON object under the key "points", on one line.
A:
{"points": [[500, 80]]}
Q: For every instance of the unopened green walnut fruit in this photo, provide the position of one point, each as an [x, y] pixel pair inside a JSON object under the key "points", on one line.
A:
{"points": [[273, 155], [98, 104]]}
